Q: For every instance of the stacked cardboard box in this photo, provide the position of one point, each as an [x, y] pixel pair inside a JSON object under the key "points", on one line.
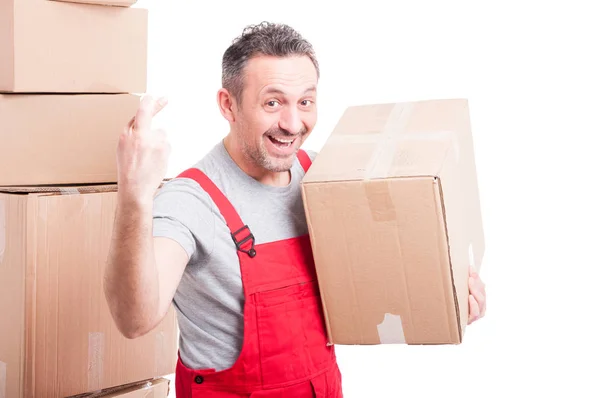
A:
{"points": [[392, 203], [70, 79]]}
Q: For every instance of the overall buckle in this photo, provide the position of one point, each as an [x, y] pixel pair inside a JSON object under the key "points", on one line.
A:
{"points": [[238, 244]]}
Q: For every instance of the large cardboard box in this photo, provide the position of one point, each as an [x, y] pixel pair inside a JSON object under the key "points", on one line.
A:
{"points": [[61, 139], [118, 3], [393, 210], [57, 336], [60, 47]]}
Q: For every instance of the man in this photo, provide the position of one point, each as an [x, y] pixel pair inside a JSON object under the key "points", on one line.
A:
{"points": [[227, 241]]}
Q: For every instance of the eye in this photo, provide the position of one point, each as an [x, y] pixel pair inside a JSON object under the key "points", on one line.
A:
{"points": [[272, 103], [306, 102]]}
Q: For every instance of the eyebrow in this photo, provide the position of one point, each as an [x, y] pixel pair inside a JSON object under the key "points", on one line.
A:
{"points": [[273, 90]]}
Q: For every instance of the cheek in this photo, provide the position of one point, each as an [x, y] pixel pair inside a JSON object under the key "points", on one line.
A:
{"points": [[254, 132], [254, 126], [262, 124], [310, 119]]}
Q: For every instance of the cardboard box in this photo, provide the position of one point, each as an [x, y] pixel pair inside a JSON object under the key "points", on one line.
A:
{"points": [[62, 139], [118, 3], [393, 210], [60, 47], [156, 388], [57, 336]]}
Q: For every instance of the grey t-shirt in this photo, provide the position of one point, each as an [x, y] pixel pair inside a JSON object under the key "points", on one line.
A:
{"points": [[209, 300]]}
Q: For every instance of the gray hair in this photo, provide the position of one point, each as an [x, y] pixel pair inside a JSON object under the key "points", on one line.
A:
{"points": [[266, 38]]}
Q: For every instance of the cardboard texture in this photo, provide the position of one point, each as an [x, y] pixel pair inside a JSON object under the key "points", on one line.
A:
{"points": [[393, 209], [118, 3], [61, 139], [63, 47], [57, 336], [156, 388]]}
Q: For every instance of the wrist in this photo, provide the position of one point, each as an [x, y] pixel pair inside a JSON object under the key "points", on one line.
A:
{"points": [[135, 203]]}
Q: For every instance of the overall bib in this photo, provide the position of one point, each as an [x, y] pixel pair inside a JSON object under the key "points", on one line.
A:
{"points": [[285, 352]]}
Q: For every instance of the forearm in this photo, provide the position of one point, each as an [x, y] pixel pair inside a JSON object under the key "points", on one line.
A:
{"points": [[131, 279]]}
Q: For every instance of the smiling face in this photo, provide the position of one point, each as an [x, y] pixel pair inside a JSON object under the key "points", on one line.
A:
{"points": [[277, 111]]}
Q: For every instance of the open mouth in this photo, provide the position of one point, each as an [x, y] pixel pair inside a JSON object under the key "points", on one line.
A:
{"points": [[281, 142]]}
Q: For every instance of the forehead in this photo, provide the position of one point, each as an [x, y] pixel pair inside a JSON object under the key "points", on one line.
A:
{"points": [[293, 74]]}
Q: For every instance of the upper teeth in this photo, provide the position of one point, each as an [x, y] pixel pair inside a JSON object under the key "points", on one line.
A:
{"points": [[283, 141]]}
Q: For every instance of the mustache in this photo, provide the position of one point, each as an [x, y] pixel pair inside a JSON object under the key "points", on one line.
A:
{"points": [[279, 132]]}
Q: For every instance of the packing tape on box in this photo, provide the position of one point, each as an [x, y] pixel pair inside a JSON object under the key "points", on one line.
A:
{"points": [[383, 155], [68, 191], [390, 330], [386, 152], [95, 360], [381, 203], [3, 380]]}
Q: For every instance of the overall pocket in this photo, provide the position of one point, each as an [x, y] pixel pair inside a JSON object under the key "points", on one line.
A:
{"points": [[292, 334]]}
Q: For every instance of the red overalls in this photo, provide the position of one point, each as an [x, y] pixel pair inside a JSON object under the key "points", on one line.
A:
{"points": [[285, 352]]}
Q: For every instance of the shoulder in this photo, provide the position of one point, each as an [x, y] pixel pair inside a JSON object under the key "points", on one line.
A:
{"points": [[187, 188], [180, 188], [183, 197]]}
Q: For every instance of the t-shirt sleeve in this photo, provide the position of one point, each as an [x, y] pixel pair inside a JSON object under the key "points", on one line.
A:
{"points": [[183, 212]]}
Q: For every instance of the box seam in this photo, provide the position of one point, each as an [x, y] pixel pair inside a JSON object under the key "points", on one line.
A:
{"points": [[310, 233], [446, 238]]}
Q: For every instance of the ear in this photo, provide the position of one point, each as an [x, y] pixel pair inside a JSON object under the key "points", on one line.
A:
{"points": [[226, 104]]}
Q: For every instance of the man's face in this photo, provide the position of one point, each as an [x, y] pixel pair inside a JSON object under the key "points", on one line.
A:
{"points": [[278, 109]]}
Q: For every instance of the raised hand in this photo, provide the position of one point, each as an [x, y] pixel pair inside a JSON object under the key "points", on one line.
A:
{"points": [[142, 154]]}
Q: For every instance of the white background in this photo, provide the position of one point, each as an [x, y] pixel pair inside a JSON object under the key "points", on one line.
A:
{"points": [[531, 73]]}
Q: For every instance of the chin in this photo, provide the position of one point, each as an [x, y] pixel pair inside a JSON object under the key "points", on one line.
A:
{"points": [[278, 161], [278, 165]]}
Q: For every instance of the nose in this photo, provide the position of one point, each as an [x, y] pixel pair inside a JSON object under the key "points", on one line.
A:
{"points": [[290, 120]]}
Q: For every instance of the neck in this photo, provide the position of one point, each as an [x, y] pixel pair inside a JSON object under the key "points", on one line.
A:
{"points": [[255, 171]]}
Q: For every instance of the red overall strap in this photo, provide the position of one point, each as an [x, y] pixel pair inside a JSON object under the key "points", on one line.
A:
{"points": [[233, 220], [304, 160], [244, 243]]}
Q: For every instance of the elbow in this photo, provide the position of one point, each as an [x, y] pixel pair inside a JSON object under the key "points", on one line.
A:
{"points": [[130, 325], [132, 330], [135, 323], [132, 333], [130, 320]]}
